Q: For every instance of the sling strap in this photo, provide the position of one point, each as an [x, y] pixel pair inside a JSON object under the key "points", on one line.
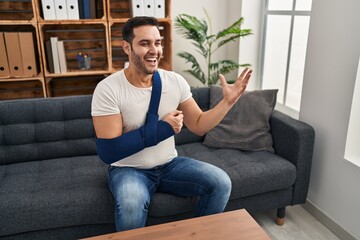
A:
{"points": [[153, 132], [155, 94], [152, 114]]}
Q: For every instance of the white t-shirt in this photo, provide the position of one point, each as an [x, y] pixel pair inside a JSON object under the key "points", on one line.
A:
{"points": [[115, 95]]}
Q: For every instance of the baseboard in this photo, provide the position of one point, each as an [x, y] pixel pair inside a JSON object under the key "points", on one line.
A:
{"points": [[327, 221]]}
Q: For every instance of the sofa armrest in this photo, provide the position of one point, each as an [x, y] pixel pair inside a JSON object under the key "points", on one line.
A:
{"points": [[294, 141]]}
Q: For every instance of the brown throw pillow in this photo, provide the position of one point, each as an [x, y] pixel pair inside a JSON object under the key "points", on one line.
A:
{"points": [[246, 126]]}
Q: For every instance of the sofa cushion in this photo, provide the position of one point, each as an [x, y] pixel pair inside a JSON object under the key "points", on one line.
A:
{"points": [[251, 173], [37, 129], [202, 97], [246, 126], [54, 193]]}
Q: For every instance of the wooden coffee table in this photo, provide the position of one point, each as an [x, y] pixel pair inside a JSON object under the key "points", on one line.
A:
{"points": [[224, 226]]}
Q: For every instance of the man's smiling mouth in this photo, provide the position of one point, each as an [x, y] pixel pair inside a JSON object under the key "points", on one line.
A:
{"points": [[151, 60]]}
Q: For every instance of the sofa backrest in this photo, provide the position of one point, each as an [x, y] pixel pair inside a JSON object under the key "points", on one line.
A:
{"points": [[38, 129], [46, 128], [202, 97]]}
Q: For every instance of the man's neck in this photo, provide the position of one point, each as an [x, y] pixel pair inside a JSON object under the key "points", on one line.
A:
{"points": [[138, 79]]}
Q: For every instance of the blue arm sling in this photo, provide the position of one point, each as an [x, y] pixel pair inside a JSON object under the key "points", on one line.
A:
{"points": [[153, 132]]}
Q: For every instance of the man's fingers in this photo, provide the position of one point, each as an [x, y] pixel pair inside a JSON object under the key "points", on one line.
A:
{"points": [[244, 77], [243, 73], [247, 77], [222, 79], [177, 112]]}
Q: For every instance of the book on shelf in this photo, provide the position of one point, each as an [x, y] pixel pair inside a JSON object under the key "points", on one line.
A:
{"points": [[55, 54], [49, 57], [88, 9], [81, 8], [62, 56]]}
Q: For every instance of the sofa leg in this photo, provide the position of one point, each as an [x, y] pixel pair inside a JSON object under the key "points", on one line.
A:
{"points": [[280, 216]]}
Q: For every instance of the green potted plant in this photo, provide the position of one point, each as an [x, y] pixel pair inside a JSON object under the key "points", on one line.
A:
{"points": [[206, 44]]}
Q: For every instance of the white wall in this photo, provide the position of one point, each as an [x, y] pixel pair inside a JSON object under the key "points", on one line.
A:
{"points": [[249, 47], [222, 13], [330, 70]]}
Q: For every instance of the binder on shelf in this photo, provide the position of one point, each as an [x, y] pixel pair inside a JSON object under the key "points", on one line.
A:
{"points": [[4, 64], [159, 8], [27, 48], [86, 7], [92, 9], [48, 8], [49, 57], [72, 8], [81, 8], [14, 54], [137, 8], [149, 9], [62, 57], [55, 55], [60, 9]]}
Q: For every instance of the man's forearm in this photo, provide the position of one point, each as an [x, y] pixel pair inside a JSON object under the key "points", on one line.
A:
{"points": [[211, 118], [115, 149]]}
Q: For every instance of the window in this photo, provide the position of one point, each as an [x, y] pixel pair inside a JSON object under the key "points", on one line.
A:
{"points": [[286, 30], [352, 150]]}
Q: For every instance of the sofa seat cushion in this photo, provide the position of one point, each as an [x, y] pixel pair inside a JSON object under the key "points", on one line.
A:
{"points": [[54, 193], [251, 173]]}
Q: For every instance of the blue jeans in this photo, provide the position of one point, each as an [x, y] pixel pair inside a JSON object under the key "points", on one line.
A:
{"points": [[133, 188]]}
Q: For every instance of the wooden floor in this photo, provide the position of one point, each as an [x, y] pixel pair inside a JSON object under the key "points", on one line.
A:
{"points": [[299, 225]]}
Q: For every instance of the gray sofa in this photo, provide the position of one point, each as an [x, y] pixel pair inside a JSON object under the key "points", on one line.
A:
{"points": [[53, 185]]}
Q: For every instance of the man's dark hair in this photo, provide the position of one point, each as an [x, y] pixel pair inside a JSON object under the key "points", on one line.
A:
{"points": [[128, 29]]}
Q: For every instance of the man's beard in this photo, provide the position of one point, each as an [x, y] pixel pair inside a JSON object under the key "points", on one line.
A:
{"points": [[141, 65]]}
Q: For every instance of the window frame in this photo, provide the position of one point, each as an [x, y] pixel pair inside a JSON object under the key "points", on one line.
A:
{"points": [[292, 13]]}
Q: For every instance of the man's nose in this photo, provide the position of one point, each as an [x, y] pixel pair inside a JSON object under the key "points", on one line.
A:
{"points": [[153, 48]]}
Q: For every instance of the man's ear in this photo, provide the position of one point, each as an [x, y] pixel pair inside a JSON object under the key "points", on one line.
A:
{"points": [[126, 46]]}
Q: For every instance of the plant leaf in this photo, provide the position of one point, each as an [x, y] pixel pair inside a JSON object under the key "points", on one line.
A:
{"points": [[196, 30], [240, 33], [191, 28], [195, 66], [223, 67], [235, 25]]}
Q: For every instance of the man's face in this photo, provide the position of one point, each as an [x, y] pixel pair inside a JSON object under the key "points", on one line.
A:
{"points": [[146, 49]]}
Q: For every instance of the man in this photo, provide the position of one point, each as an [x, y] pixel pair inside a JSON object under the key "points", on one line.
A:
{"points": [[119, 109]]}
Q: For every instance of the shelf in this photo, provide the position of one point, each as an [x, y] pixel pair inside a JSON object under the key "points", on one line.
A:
{"points": [[20, 26], [99, 37], [74, 85], [100, 13], [17, 11], [14, 89], [121, 9], [90, 38]]}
